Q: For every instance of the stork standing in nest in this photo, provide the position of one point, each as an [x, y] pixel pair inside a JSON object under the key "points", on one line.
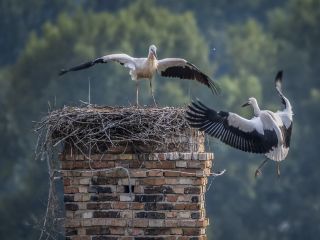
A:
{"points": [[267, 133], [145, 68]]}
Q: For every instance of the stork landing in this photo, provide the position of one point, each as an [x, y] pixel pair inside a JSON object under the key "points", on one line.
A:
{"points": [[267, 133]]}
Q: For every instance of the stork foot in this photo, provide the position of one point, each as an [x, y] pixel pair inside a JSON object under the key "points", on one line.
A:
{"points": [[257, 173]]}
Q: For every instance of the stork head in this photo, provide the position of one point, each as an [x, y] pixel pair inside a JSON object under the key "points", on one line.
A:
{"points": [[251, 101], [153, 51]]}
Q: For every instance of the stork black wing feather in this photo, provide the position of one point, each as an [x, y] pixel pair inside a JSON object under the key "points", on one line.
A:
{"points": [[81, 66], [216, 124], [190, 71]]}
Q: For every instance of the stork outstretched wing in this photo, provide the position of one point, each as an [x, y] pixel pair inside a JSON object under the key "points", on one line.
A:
{"points": [[180, 68], [121, 58], [232, 129]]}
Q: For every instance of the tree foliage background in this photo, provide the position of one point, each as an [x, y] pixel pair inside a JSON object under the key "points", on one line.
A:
{"points": [[240, 43]]}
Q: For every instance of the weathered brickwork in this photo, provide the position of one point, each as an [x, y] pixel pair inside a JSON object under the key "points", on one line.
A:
{"points": [[136, 196]]}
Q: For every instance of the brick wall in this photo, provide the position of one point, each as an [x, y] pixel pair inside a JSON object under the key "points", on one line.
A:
{"points": [[136, 196]]}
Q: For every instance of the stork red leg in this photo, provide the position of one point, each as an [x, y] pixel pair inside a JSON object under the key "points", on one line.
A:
{"points": [[258, 171], [137, 92], [152, 93]]}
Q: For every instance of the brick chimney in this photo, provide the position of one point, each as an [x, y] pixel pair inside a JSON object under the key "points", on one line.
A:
{"points": [[137, 193]]}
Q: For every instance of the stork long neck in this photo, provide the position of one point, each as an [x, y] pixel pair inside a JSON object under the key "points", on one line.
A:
{"points": [[287, 104], [256, 109], [151, 56]]}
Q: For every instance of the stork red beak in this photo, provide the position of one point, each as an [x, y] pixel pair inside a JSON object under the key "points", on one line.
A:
{"points": [[154, 53], [245, 104]]}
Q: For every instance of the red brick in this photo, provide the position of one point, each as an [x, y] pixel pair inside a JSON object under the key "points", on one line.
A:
{"points": [[148, 198], [102, 164], [188, 173], [108, 157], [155, 173], [72, 223], [171, 181], [192, 190], [196, 164], [156, 231], [68, 189], [136, 164], [67, 165], [193, 206], [117, 230], [156, 223], [136, 231], [181, 164], [184, 198], [99, 221], [202, 222], [71, 207], [180, 206], [120, 205], [137, 206], [124, 164], [73, 157], [187, 223], [171, 223], [81, 165], [186, 180], [138, 173], [66, 182], [200, 181], [158, 189], [191, 231], [176, 231], [101, 230], [119, 222], [139, 189], [87, 222], [160, 165], [171, 214], [120, 173], [172, 198], [171, 174], [127, 214], [125, 157], [152, 181], [141, 223]]}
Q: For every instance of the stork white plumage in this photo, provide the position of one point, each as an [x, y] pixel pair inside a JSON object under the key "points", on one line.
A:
{"points": [[145, 68], [267, 133]]}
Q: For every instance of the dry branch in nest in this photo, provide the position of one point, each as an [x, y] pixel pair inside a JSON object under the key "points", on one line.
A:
{"points": [[93, 129]]}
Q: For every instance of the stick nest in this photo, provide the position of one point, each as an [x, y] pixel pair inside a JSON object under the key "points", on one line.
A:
{"points": [[99, 129]]}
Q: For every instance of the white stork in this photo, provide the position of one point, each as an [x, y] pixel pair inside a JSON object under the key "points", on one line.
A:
{"points": [[145, 68], [266, 133]]}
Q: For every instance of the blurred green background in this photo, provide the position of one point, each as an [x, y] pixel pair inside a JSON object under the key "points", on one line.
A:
{"points": [[241, 44]]}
